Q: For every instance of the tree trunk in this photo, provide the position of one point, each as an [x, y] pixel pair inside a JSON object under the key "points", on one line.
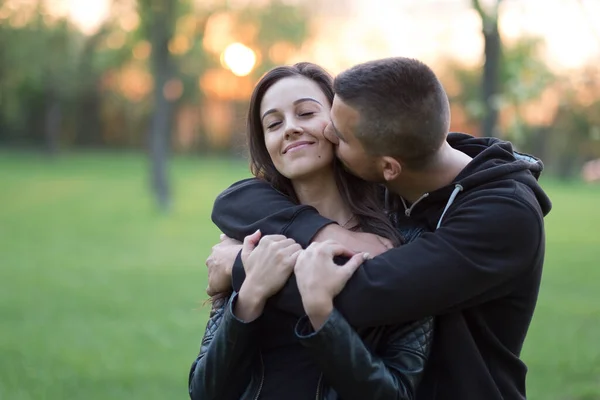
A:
{"points": [[490, 80], [160, 125], [88, 118], [52, 124]]}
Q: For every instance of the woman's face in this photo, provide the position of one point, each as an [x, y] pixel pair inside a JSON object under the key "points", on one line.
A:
{"points": [[294, 113]]}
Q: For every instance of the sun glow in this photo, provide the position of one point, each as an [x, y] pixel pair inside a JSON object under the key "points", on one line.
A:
{"points": [[88, 15], [239, 59]]}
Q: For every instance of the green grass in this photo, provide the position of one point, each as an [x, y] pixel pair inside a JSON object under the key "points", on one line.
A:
{"points": [[101, 296]]}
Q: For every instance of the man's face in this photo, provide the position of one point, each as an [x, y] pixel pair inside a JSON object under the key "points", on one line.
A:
{"points": [[341, 132]]}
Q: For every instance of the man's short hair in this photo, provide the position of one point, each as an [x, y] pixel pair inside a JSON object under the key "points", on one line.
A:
{"points": [[403, 107]]}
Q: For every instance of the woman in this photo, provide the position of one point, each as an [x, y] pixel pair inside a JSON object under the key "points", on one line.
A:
{"points": [[252, 352]]}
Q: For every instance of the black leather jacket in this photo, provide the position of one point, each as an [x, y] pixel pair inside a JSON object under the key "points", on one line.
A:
{"points": [[380, 363]]}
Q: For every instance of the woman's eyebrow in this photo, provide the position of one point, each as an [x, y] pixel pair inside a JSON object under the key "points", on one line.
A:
{"points": [[307, 99], [296, 102], [271, 111]]}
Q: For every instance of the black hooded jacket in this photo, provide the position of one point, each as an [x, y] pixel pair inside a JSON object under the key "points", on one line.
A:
{"points": [[478, 269]]}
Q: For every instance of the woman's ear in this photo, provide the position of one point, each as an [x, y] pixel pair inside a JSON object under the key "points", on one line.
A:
{"points": [[391, 168]]}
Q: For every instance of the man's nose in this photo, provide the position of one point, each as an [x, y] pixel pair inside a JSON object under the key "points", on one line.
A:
{"points": [[329, 135]]}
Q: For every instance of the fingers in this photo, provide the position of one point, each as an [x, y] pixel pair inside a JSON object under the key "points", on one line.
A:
{"points": [[276, 239], [250, 243], [285, 256], [295, 255], [292, 251], [332, 248], [352, 265], [254, 238], [270, 246], [274, 243]]}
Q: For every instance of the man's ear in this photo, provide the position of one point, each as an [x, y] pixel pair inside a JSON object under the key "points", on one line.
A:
{"points": [[391, 168]]}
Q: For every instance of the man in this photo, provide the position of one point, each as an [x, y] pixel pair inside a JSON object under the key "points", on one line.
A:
{"points": [[478, 269]]}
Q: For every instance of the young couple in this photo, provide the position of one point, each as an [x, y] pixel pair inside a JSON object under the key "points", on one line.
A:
{"points": [[328, 321]]}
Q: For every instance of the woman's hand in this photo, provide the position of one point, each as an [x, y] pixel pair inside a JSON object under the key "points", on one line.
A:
{"points": [[220, 263], [268, 266], [320, 279]]}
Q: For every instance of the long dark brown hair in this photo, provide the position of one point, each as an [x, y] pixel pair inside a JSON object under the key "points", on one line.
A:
{"points": [[364, 199]]}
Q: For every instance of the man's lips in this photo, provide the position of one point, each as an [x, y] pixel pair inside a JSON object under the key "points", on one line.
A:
{"points": [[297, 144]]}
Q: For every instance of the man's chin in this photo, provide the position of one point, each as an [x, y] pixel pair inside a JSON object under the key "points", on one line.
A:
{"points": [[346, 167], [352, 171], [363, 174]]}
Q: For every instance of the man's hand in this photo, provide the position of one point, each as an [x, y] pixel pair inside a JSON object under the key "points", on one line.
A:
{"points": [[355, 241], [320, 279], [220, 263]]}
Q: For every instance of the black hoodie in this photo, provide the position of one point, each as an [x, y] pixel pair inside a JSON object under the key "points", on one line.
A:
{"points": [[478, 269]]}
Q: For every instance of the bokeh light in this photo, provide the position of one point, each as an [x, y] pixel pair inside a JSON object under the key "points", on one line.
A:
{"points": [[239, 59]]}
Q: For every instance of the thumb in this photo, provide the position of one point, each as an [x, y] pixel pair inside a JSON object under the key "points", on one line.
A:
{"points": [[352, 265], [250, 243]]}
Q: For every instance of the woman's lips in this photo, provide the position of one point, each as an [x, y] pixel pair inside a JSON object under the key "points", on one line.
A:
{"points": [[297, 146]]}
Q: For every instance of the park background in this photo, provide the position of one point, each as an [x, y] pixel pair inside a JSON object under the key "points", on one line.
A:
{"points": [[122, 120]]}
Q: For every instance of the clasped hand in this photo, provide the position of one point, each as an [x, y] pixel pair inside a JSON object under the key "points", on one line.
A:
{"points": [[269, 262], [269, 265]]}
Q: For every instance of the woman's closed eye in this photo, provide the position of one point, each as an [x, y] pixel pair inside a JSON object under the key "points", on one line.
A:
{"points": [[273, 125]]}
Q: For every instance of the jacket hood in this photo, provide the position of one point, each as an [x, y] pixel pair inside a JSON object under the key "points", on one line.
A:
{"points": [[492, 160], [495, 159]]}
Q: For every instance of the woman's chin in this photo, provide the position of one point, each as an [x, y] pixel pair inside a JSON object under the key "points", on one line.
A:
{"points": [[307, 170]]}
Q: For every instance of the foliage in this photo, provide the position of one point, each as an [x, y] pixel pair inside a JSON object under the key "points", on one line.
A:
{"points": [[553, 116], [95, 89], [62, 88], [523, 78]]}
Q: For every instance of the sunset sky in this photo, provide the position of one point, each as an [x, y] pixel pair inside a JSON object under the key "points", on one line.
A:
{"points": [[357, 30], [428, 29]]}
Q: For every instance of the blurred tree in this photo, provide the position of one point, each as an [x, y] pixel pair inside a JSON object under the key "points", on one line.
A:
{"points": [[523, 77], [52, 77], [107, 49], [193, 61], [573, 135], [158, 22], [490, 80], [281, 30], [37, 59], [273, 30]]}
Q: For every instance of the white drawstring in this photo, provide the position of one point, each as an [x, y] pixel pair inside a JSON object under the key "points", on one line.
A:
{"points": [[457, 189]]}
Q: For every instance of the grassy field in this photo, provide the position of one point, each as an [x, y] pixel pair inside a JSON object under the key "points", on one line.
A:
{"points": [[101, 297]]}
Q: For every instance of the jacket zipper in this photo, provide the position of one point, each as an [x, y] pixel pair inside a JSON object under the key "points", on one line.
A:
{"points": [[262, 377], [319, 387]]}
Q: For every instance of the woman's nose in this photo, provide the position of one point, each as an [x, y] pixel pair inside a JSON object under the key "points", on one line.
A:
{"points": [[292, 128]]}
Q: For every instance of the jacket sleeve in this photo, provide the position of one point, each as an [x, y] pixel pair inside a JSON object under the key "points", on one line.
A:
{"points": [[486, 243], [485, 246], [391, 372], [253, 204], [227, 351]]}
